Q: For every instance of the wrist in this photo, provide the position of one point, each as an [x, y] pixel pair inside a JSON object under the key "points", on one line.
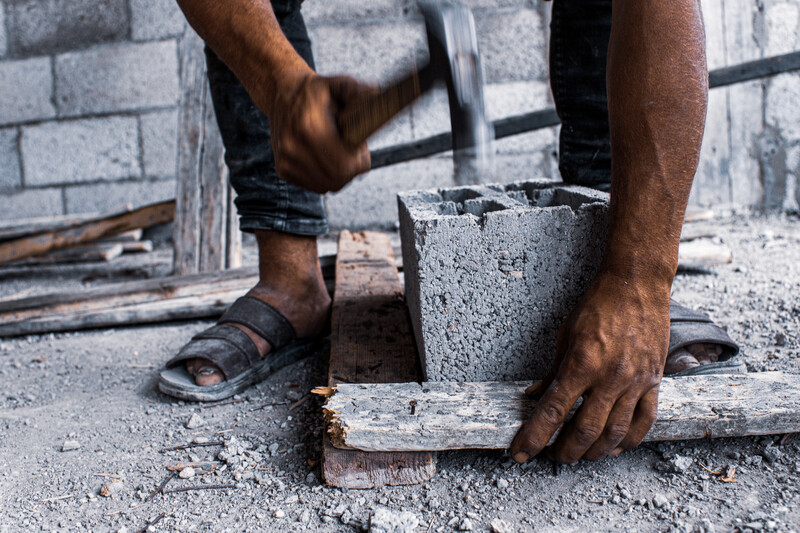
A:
{"points": [[645, 266]]}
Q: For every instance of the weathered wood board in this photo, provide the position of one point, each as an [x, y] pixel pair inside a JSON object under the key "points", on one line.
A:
{"points": [[25, 227], [86, 231], [204, 295], [371, 341], [448, 416], [702, 253], [206, 234]]}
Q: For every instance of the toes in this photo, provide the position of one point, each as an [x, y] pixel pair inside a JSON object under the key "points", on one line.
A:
{"points": [[204, 371], [680, 360], [208, 375]]}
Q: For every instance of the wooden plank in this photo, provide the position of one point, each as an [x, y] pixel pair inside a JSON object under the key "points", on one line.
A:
{"points": [[15, 229], [95, 252], [702, 253], [690, 232], [85, 232], [371, 341], [204, 223], [446, 416]]}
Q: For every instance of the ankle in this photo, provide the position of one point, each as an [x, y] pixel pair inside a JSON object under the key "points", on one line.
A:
{"points": [[287, 258]]}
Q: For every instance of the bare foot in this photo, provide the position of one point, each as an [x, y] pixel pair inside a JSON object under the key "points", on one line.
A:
{"points": [[291, 282], [692, 356]]}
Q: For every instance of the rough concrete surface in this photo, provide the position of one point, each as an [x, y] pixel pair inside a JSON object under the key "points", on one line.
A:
{"points": [[97, 390], [491, 271]]}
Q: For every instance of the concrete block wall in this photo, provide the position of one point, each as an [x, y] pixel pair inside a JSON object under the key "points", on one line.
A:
{"points": [[75, 72], [492, 271], [88, 116]]}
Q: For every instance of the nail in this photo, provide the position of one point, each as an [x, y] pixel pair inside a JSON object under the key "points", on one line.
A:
{"points": [[206, 371], [521, 457]]}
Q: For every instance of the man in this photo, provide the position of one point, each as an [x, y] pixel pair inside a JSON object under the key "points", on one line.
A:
{"points": [[642, 138]]}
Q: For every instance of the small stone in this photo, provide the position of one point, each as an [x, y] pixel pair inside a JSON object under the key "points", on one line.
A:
{"points": [[465, 525], [292, 499], [194, 422], [311, 478], [200, 440], [273, 448], [780, 339], [500, 526], [659, 500], [187, 473], [70, 445], [755, 526], [385, 520], [502, 484], [679, 463], [625, 493], [115, 487], [279, 514]]}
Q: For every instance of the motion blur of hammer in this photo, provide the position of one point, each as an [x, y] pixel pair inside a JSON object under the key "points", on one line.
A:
{"points": [[454, 59]]}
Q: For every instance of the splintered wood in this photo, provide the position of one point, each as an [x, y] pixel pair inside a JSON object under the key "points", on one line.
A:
{"points": [[371, 341], [449, 416]]}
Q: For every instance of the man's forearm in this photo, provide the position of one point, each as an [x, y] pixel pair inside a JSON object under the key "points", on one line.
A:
{"points": [[657, 93], [245, 34]]}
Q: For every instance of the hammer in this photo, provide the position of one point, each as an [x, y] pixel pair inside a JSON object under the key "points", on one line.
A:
{"points": [[454, 59]]}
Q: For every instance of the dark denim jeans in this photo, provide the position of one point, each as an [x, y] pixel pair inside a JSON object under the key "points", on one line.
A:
{"points": [[578, 49]]}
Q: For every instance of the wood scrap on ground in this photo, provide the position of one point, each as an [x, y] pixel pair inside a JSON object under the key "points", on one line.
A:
{"points": [[15, 229], [137, 302], [371, 341], [447, 416], [86, 231], [703, 253]]}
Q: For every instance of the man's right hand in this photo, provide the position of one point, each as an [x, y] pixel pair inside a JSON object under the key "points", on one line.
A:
{"points": [[309, 149]]}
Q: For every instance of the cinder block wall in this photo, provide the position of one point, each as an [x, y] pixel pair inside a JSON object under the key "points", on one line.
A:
{"points": [[88, 113], [88, 116]]}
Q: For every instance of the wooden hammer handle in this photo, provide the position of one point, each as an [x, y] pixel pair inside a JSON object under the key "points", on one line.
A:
{"points": [[362, 118]]}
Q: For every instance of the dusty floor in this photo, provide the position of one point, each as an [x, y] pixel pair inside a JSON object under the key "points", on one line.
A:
{"points": [[97, 389]]}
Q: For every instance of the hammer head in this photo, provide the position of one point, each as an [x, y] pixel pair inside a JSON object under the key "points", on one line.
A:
{"points": [[454, 57]]}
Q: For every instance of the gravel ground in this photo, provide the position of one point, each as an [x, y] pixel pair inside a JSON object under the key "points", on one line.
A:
{"points": [[82, 432]]}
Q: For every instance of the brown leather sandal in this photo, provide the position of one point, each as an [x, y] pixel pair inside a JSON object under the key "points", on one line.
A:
{"points": [[232, 351]]}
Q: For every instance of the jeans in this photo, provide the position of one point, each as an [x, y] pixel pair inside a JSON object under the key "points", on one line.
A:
{"points": [[580, 30]]}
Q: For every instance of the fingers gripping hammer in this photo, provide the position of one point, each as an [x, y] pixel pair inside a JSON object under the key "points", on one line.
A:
{"points": [[454, 60]]}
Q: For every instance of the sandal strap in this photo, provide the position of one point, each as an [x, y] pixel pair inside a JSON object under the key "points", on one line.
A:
{"points": [[688, 326], [227, 347], [266, 321]]}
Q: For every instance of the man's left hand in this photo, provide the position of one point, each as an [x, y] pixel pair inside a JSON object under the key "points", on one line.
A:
{"points": [[611, 352]]}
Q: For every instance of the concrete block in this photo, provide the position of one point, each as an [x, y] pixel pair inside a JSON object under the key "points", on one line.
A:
{"points": [[370, 201], [492, 271], [397, 131], [712, 184], [327, 11], [747, 99], [46, 26], [31, 203], [430, 115], [513, 46], [782, 27], [81, 150], [156, 19], [10, 176], [781, 109], [375, 51], [27, 92], [107, 196], [515, 98], [160, 143], [3, 34], [713, 16], [117, 78]]}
